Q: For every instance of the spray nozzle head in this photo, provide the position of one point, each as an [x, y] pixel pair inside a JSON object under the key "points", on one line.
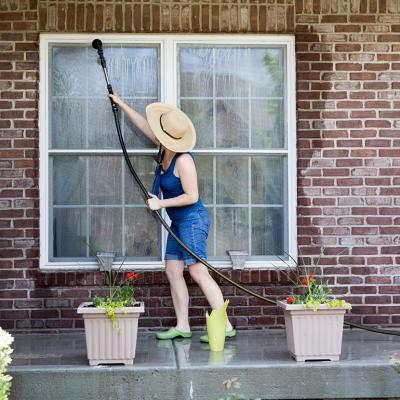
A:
{"points": [[97, 44]]}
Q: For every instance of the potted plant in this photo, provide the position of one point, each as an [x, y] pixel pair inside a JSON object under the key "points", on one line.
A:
{"points": [[314, 320], [111, 323]]}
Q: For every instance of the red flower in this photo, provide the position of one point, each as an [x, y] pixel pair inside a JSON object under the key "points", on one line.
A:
{"points": [[128, 275], [136, 276], [289, 300], [306, 280]]}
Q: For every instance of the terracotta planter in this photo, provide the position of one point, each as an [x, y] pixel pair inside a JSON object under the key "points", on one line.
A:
{"points": [[104, 344], [313, 335]]}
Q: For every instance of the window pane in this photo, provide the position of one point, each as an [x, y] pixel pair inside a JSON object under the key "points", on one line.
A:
{"points": [[144, 167], [69, 232], [268, 125], [195, 72], [204, 167], [102, 129], [105, 230], [267, 233], [201, 114], [68, 76], [268, 179], [267, 71], [232, 180], [68, 123], [104, 180], [142, 234], [232, 123], [69, 180], [232, 230], [232, 71], [211, 234], [139, 71]]}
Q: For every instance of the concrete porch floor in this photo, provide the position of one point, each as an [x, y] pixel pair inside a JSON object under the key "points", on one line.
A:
{"points": [[54, 367]]}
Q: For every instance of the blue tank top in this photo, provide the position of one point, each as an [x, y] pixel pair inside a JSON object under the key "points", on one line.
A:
{"points": [[171, 186]]}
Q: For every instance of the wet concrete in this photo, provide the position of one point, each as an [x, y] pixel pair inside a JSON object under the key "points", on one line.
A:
{"points": [[55, 367]]}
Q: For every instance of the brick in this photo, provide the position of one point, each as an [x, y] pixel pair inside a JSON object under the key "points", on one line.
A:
{"points": [[347, 47], [377, 299], [363, 289], [395, 289], [334, 18]]}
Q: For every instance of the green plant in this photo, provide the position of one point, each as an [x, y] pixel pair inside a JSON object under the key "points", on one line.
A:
{"points": [[121, 291], [313, 291], [120, 295], [5, 358]]}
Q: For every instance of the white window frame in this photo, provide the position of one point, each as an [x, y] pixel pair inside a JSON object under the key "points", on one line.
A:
{"points": [[168, 43]]}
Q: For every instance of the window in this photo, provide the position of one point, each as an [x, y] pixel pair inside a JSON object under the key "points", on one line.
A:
{"points": [[238, 91]]}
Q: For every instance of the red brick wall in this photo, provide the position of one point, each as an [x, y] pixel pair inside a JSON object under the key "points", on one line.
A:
{"points": [[348, 98]]}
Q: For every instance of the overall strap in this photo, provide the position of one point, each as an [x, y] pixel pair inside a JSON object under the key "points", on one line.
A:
{"points": [[157, 180], [157, 174], [173, 161]]}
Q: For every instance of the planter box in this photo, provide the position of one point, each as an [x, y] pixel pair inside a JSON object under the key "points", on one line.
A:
{"points": [[313, 335], [104, 344]]}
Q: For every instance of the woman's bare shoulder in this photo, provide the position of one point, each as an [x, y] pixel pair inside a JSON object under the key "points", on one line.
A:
{"points": [[185, 160]]}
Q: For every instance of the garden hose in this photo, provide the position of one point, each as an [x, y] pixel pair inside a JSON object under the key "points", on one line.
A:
{"points": [[98, 45]]}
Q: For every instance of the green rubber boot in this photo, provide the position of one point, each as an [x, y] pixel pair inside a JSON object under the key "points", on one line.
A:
{"points": [[172, 333]]}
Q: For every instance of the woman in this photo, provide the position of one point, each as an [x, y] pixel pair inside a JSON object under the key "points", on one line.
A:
{"points": [[171, 129]]}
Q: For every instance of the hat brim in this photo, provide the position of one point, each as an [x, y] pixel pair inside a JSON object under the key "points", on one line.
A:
{"points": [[185, 143]]}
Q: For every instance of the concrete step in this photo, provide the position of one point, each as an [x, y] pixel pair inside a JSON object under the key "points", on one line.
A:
{"points": [[54, 367]]}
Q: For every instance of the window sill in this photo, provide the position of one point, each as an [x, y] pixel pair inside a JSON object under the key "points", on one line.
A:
{"points": [[159, 266]]}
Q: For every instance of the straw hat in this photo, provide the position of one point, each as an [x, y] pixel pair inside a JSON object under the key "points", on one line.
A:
{"points": [[172, 127]]}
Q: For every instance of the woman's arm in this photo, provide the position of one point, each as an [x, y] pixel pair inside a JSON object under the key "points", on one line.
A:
{"points": [[188, 175], [135, 117]]}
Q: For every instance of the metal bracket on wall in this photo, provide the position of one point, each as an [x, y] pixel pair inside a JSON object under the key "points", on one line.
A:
{"points": [[238, 258], [105, 260]]}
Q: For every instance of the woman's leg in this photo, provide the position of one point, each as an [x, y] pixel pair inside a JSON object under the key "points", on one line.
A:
{"points": [[210, 288], [179, 293]]}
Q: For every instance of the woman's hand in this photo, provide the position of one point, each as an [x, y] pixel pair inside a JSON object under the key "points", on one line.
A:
{"points": [[116, 98], [154, 203]]}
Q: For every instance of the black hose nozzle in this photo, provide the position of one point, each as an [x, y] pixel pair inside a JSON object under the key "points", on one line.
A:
{"points": [[97, 44]]}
